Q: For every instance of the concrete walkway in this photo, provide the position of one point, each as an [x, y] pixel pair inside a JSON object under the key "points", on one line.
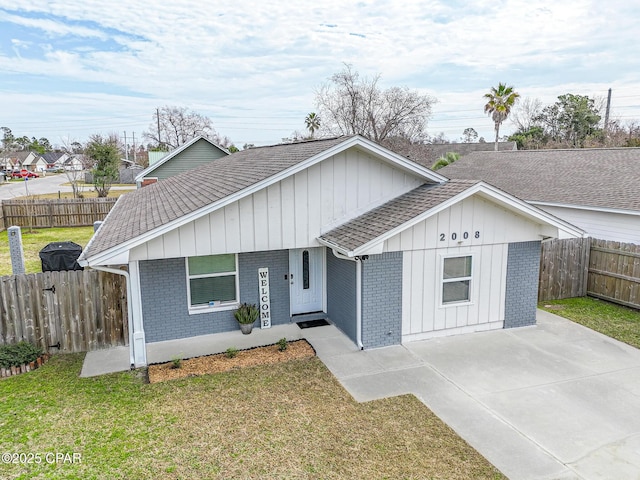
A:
{"points": [[554, 401]]}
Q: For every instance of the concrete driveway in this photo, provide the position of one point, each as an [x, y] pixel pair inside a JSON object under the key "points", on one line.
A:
{"points": [[554, 401]]}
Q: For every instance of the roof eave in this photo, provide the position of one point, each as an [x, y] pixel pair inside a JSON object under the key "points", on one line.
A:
{"points": [[483, 187], [585, 207]]}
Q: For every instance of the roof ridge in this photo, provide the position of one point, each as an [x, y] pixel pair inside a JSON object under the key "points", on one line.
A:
{"points": [[543, 150]]}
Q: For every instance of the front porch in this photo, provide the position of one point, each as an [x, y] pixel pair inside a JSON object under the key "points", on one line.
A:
{"points": [[323, 339]]}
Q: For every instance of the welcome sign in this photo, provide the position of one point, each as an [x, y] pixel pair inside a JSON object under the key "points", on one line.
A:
{"points": [[265, 299]]}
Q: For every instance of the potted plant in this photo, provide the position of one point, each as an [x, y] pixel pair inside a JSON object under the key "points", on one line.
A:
{"points": [[246, 315]]}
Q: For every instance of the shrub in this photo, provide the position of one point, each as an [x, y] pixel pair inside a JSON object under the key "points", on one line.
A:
{"points": [[282, 344], [246, 313], [231, 352], [18, 354], [176, 361]]}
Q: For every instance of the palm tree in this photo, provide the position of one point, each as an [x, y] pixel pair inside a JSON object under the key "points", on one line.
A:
{"points": [[499, 103], [312, 122]]}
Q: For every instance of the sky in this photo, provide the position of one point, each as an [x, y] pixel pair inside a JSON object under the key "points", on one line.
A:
{"points": [[69, 68]]}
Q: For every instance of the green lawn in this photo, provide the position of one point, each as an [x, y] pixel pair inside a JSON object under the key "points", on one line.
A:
{"points": [[616, 321], [36, 240], [291, 421]]}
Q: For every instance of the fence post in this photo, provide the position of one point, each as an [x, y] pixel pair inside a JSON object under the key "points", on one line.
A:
{"points": [[15, 250], [586, 257], [50, 214]]}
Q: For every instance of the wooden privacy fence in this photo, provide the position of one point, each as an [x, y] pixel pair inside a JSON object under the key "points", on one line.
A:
{"points": [[586, 266], [563, 268], [614, 272], [72, 311], [40, 213]]}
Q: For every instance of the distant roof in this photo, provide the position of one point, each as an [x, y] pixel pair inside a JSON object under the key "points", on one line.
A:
{"points": [[427, 154], [168, 156], [172, 199], [371, 225], [20, 156], [51, 157], [596, 177]]}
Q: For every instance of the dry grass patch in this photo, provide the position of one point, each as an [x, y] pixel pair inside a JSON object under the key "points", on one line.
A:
{"points": [[290, 420], [222, 362]]}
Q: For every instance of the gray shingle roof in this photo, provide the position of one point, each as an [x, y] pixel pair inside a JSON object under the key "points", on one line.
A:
{"points": [[598, 177], [150, 207], [427, 154], [396, 212]]}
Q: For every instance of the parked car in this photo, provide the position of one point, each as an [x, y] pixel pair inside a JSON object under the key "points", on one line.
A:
{"points": [[24, 173], [54, 170]]}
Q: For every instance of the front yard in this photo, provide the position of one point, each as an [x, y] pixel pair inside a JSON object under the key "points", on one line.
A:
{"points": [[291, 420]]}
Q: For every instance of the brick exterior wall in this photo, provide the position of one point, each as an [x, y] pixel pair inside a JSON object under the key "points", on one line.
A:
{"points": [[341, 294], [278, 263], [523, 269], [382, 300], [164, 296]]}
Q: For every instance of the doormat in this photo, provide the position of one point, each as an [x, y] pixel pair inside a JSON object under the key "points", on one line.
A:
{"points": [[313, 323]]}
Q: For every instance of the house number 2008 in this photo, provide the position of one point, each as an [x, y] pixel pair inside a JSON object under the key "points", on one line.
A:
{"points": [[454, 236]]}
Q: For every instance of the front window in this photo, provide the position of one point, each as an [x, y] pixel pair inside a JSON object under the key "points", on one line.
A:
{"points": [[456, 279], [212, 280]]}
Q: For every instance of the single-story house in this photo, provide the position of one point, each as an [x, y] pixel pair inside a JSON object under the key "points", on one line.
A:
{"points": [[596, 189], [21, 159], [198, 151], [73, 163], [338, 228], [54, 159]]}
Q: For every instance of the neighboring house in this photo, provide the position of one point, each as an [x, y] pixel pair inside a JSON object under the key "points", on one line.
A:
{"points": [[155, 157], [54, 159], [22, 159], [197, 152], [597, 189], [35, 164], [386, 249], [73, 163], [428, 154]]}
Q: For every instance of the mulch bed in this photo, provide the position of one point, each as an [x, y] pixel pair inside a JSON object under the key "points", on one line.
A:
{"points": [[268, 355]]}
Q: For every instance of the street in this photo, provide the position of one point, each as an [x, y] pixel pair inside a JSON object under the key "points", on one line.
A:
{"points": [[52, 183]]}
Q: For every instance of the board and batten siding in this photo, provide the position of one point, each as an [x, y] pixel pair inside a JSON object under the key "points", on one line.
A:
{"points": [[291, 213], [490, 228], [197, 154], [618, 227]]}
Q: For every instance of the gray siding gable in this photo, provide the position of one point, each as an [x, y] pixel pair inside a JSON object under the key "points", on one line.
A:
{"points": [[199, 153]]}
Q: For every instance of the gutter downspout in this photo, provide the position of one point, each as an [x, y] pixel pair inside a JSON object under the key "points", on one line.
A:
{"points": [[124, 273], [358, 294]]}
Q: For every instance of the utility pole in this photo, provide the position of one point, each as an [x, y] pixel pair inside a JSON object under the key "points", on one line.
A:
{"points": [[158, 118], [134, 148], [606, 115], [126, 149]]}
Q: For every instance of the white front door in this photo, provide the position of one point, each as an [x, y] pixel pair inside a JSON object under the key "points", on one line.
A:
{"points": [[306, 267]]}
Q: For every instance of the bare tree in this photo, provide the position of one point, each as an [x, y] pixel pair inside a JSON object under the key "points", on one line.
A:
{"points": [[349, 104], [469, 135], [173, 126], [526, 114]]}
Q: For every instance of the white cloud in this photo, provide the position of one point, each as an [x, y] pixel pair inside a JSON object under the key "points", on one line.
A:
{"points": [[253, 66]]}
